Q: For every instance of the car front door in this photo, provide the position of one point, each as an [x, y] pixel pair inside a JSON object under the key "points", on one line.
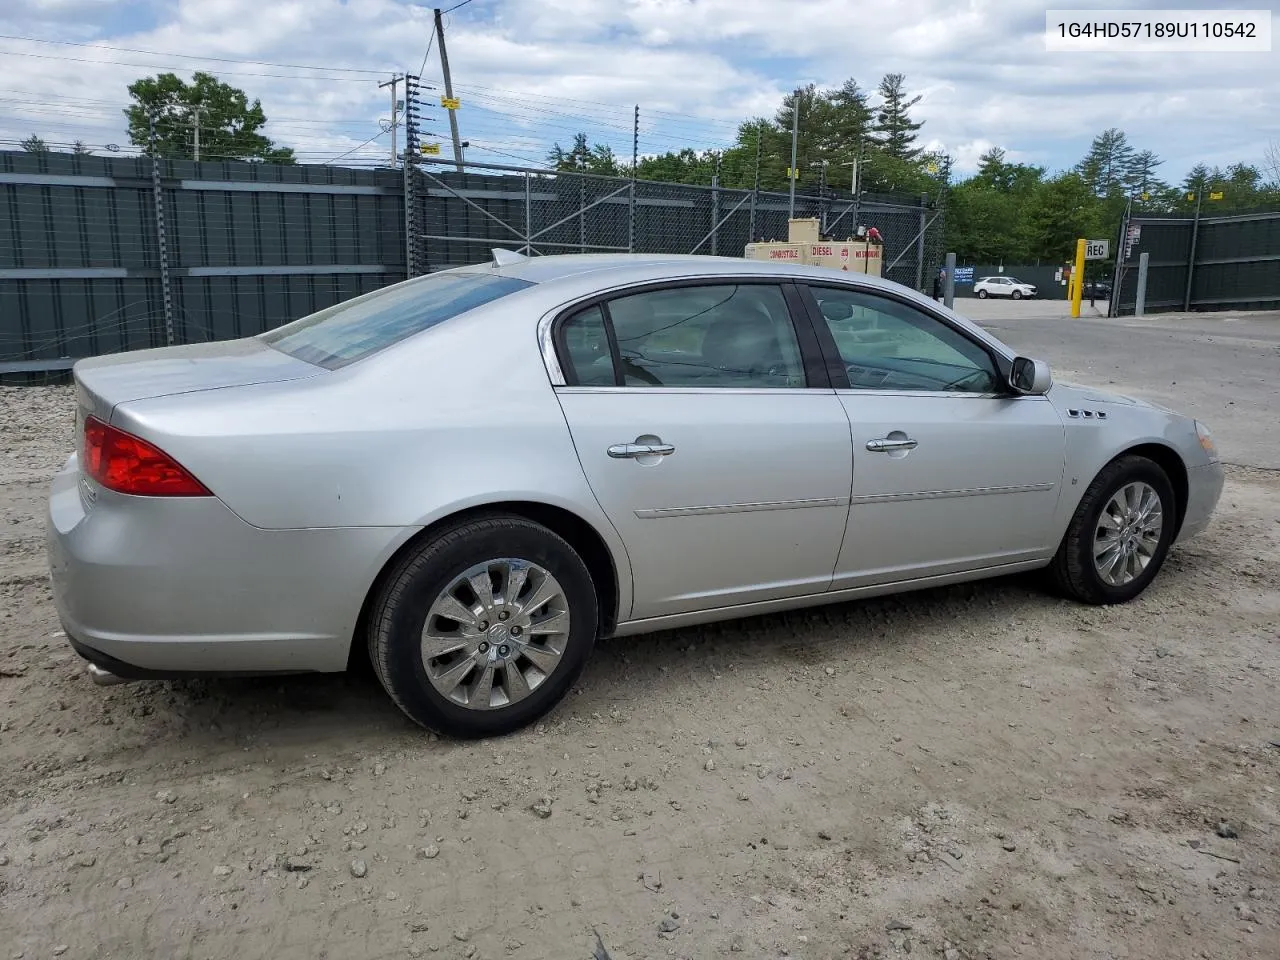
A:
{"points": [[951, 471], [711, 438]]}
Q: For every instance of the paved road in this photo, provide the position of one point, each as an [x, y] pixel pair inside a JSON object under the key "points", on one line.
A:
{"points": [[1223, 369]]}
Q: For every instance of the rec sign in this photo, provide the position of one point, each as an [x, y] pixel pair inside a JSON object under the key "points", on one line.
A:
{"points": [[1096, 249]]}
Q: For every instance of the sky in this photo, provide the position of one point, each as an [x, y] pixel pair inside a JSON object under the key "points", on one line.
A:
{"points": [[533, 72]]}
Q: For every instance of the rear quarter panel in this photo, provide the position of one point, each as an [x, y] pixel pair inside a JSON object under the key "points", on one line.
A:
{"points": [[459, 416]]}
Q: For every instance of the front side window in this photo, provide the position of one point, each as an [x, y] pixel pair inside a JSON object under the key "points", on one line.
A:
{"points": [[889, 345], [356, 328], [713, 335]]}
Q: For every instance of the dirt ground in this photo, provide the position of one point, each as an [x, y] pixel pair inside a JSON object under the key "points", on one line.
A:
{"points": [[979, 771]]}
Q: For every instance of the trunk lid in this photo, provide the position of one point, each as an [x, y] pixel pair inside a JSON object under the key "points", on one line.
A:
{"points": [[103, 382]]}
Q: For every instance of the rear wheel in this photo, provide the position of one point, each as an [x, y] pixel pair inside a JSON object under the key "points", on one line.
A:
{"points": [[484, 628], [982, 294], [1120, 534]]}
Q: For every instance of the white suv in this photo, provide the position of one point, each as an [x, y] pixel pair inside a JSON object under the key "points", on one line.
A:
{"points": [[1003, 287]]}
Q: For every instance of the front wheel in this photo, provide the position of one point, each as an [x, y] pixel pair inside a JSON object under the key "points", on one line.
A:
{"points": [[484, 628], [1120, 534], [1017, 294]]}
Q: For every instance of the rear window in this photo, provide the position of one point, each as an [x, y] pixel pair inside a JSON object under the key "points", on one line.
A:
{"points": [[356, 328]]}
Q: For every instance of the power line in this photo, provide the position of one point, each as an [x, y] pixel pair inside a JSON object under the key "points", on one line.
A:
{"points": [[160, 66], [191, 56], [341, 156], [430, 41], [455, 7]]}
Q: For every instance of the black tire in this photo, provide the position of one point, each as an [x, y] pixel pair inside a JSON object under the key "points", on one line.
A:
{"points": [[982, 294], [1017, 294], [401, 609], [1072, 572]]}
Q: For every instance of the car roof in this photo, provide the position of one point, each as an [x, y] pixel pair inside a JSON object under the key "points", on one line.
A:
{"points": [[581, 271]]}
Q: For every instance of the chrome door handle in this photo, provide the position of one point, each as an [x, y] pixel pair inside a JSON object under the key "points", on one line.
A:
{"points": [[625, 451], [884, 445]]}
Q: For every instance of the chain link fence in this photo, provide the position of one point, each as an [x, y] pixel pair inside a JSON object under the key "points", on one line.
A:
{"points": [[106, 254], [540, 212]]}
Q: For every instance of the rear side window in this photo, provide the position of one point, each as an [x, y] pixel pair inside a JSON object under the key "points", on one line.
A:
{"points": [[357, 328]]}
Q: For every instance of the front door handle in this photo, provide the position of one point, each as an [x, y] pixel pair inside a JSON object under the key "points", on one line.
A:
{"points": [[886, 445], [629, 451]]}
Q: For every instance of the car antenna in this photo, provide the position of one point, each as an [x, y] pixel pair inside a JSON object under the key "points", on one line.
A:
{"points": [[506, 258]]}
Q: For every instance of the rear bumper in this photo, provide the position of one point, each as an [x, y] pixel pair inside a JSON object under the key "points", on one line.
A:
{"points": [[1204, 488], [152, 587]]}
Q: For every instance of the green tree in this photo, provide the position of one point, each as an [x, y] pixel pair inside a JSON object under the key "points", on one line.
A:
{"points": [[1108, 163], [34, 144], [894, 127], [229, 123], [581, 158], [80, 148], [1064, 209]]}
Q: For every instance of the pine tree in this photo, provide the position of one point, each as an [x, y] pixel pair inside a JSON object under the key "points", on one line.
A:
{"points": [[1108, 161], [896, 131]]}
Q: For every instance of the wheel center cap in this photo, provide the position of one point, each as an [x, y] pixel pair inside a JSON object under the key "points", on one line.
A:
{"points": [[498, 633]]}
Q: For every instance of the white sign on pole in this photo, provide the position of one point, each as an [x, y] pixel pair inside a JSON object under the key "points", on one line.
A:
{"points": [[1096, 249]]}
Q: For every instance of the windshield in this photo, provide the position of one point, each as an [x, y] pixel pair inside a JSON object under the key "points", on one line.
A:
{"points": [[357, 328]]}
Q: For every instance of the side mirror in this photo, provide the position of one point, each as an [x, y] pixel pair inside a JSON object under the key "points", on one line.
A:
{"points": [[1031, 377]]}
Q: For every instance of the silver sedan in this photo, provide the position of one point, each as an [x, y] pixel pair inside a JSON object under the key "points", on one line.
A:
{"points": [[476, 473]]}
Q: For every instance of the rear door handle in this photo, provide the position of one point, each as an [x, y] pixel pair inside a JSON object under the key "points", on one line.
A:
{"points": [[629, 451], [885, 445]]}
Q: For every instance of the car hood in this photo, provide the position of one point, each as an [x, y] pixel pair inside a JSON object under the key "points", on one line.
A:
{"points": [[1066, 392]]}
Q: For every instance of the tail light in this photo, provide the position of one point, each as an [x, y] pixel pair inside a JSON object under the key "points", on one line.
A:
{"points": [[126, 464]]}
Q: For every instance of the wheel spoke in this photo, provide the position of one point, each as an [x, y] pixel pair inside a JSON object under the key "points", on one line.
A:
{"points": [[555, 623], [516, 685], [517, 575], [1108, 522], [449, 606], [436, 645], [482, 694], [482, 586], [542, 594], [541, 657], [448, 681]]}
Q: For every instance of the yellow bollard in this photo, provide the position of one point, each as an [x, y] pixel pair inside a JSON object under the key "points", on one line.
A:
{"points": [[1077, 278]]}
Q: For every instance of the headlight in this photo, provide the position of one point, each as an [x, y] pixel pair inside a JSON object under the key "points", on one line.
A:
{"points": [[1206, 441]]}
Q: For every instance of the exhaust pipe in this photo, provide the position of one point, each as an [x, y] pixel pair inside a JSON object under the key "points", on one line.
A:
{"points": [[104, 678]]}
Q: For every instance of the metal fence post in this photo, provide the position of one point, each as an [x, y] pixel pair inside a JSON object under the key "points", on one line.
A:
{"points": [[715, 212], [924, 226], [1191, 254], [528, 217], [1140, 299], [582, 216], [949, 289], [163, 247]]}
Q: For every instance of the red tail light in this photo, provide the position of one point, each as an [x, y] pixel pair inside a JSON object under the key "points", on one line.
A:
{"points": [[126, 464]]}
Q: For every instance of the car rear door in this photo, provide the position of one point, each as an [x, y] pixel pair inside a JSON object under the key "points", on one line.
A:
{"points": [[709, 434], [951, 472]]}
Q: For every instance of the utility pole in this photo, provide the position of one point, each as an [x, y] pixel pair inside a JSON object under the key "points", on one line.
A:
{"points": [[393, 83], [448, 92], [795, 137], [195, 120]]}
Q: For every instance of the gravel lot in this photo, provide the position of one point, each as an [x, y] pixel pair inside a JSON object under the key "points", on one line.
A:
{"points": [[980, 771]]}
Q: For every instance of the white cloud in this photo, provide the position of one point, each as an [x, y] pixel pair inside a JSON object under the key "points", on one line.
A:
{"points": [[531, 73]]}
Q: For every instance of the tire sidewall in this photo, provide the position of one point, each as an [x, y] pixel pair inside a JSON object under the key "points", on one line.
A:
{"points": [[982, 294], [1146, 471], [400, 626]]}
